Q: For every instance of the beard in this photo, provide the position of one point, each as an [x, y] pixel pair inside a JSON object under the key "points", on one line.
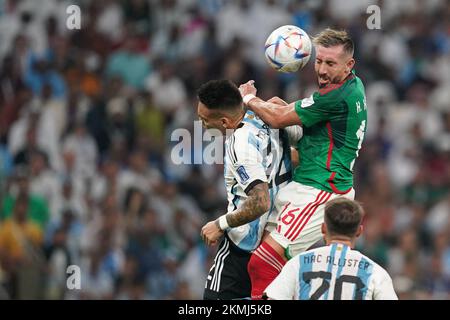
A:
{"points": [[327, 80]]}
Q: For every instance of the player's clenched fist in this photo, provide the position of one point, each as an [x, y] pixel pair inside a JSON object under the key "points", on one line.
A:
{"points": [[247, 88], [211, 233]]}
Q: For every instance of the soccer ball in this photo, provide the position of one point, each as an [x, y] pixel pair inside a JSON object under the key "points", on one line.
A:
{"points": [[288, 49]]}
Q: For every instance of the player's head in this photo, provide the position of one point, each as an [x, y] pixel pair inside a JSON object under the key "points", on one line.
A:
{"points": [[343, 219], [334, 56], [220, 105]]}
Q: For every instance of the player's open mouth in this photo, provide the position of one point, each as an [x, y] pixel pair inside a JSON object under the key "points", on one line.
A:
{"points": [[323, 82]]}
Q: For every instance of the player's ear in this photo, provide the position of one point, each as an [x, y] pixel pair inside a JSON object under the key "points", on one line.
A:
{"points": [[350, 64], [324, 229], [225, 122], [228, 122], [360, 230]]}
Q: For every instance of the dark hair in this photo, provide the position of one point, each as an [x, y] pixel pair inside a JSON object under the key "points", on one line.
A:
{"points": [[343, 216], [220, 95]]}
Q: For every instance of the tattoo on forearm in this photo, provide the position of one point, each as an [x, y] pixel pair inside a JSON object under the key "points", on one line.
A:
{"points": [[253, 207]]}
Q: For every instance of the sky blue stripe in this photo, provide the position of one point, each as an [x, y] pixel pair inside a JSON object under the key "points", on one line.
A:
{"points": [[250, 117], [253, 122], [365, 276], [305, 287], [249, 113], [253, 141], [286, 153], [330, 265], [251, 240], [236, 198], [341, 259], [272, 197]]}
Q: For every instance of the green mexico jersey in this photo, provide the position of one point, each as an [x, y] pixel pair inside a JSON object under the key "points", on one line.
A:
{"points": [[334, 123]]}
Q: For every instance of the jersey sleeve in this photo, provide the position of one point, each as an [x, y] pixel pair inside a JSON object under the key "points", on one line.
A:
{"points": [[383, 288], [295, 133], [318, 107], [245, 152], [283, 286]]}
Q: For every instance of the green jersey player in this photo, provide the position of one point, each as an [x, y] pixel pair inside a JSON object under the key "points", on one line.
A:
{"points": [[334, 123]]}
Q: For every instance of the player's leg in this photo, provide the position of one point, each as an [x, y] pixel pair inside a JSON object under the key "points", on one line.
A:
{"points": [[265, 264], [267, 260], [308, 233], [228, 277], [291, 202]]}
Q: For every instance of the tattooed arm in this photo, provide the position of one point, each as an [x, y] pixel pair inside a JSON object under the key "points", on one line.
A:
{"points": [[257, 203]]}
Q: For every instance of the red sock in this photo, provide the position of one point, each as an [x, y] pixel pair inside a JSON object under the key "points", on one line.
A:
{"points": [[264, 266]]}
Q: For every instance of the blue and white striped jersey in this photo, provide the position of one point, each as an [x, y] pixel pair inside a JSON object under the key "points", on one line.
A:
{"points": [[255, 153], [334, 272]]}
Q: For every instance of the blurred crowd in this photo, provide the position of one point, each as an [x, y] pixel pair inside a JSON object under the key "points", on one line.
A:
{"points": [[86, 117]]}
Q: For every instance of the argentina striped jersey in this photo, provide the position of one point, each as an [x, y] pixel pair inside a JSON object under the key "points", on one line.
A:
{"points": [[334, 272], [254, 154]]}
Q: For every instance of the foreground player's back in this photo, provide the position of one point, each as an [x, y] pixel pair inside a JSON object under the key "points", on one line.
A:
{"points": [[334, 272]]}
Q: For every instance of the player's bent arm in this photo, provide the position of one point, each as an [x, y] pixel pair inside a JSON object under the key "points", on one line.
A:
{"points": [[257, 203], [275, 115]]}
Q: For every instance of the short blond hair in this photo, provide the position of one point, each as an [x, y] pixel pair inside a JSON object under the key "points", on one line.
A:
{"points": [[331, 37]]}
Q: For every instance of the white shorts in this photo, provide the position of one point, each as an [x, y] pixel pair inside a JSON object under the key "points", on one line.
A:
{"points": [[301, 214]]}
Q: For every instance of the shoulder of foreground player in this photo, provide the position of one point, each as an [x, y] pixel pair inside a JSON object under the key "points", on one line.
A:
{"points": [[251, 123], [247, 135]]}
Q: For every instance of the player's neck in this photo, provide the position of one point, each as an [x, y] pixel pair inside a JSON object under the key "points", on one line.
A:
{"points": [[238, 120], [345, 241]]}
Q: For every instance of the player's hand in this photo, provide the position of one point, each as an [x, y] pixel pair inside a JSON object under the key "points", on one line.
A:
{"points": [[248, 88], [211, 233], [278, 101]]}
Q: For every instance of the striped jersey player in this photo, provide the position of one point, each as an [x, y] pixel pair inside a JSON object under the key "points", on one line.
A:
{"points": [[257, 164], [336, 271], [254, 154]]}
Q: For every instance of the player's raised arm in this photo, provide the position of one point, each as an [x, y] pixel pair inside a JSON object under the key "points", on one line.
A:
{"points": [[274, 114]]}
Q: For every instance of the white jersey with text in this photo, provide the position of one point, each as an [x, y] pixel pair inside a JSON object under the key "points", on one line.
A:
{"points": [[334, 272], [254, 153]]}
